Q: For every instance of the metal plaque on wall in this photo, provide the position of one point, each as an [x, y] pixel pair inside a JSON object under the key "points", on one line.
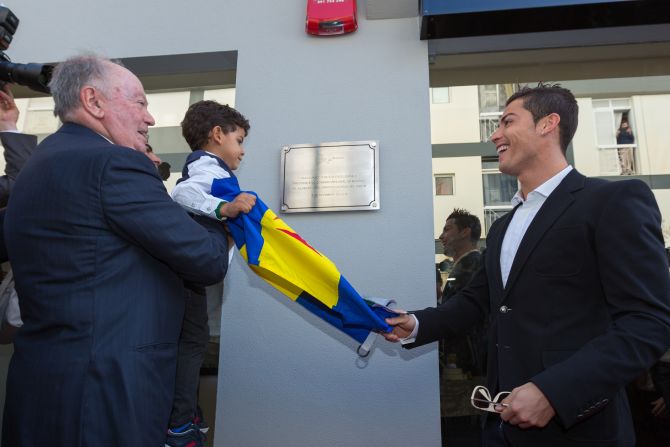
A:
{"points": [[341, 176]]}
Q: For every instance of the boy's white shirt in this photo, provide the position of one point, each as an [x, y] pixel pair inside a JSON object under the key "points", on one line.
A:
{"points": [[195, 193]]}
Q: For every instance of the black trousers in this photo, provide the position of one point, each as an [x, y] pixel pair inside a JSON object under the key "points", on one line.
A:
{"points": [[493, 435], [191, 352]]}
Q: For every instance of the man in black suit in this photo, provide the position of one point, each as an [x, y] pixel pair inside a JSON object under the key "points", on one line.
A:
{"points": [[575, 282], [100, 253]]}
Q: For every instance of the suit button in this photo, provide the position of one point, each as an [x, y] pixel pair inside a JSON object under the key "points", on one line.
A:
{"points": [[504, 309]]}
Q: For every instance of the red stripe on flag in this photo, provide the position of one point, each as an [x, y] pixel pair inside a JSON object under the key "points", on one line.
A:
{"points": [[297, 236]]}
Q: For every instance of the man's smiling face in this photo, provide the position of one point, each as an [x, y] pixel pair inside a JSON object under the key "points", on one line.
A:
{"points": [[517, 139]]}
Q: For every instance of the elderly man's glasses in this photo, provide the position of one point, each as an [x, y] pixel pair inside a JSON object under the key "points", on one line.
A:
{"points": [[481, 399]]}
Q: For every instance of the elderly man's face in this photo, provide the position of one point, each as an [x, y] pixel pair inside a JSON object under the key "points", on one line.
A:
{"points": [[126, 117]]}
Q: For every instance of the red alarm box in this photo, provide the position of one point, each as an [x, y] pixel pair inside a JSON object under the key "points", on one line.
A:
{"points": [[331, 17]]}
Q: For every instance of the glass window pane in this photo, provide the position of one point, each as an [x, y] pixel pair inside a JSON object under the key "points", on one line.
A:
{"points": [[444, 185], [621, 103], [498, 189], [491, 215], [601, 103], [168, 108], [506, 90], [440, 95], [221, 95], [605, 133], [488, 98], [490, 164]]}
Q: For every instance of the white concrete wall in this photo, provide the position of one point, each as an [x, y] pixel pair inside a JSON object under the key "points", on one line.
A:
{"points": [[458, 120], [287, 378], [468, 189], [584, 145], [663, 200], [651, 121]]}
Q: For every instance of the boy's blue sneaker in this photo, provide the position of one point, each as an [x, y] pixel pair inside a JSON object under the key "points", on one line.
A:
{"points": [[191, 437]]}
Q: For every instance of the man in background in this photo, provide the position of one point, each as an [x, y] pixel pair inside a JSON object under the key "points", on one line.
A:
{"points": [[459, 238]]}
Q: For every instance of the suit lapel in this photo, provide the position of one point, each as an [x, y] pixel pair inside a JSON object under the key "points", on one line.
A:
{"points": [[557, 202]]}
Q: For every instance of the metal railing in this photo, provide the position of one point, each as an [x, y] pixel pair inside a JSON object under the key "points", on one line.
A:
{"points": [[492, 214], [488, 123], [618, 159]]}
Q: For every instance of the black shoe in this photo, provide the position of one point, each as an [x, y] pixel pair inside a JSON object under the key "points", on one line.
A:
{"points": [[191, 437], [199, 421]]}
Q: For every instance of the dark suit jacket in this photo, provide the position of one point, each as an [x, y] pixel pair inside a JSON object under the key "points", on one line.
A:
{"points": [[99, 252], [18, 149], [585, 310]]}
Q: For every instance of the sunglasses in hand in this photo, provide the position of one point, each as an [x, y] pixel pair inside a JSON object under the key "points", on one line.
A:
{"points": [[481, 399]]}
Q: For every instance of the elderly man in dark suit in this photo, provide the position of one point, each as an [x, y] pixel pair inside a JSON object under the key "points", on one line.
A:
{"points": [[100, 253], [576, 285]]}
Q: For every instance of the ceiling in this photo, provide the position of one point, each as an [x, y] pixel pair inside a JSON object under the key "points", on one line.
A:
{"points": [[624, 51]]}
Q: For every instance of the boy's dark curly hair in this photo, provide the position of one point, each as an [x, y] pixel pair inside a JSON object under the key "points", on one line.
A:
{"points": [[203, 116]]}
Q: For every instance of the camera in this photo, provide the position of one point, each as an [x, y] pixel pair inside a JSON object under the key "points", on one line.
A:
{"points": [[34, 76]]}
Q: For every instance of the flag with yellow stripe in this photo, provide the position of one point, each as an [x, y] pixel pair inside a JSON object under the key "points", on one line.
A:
{"points": [[276, 253]]}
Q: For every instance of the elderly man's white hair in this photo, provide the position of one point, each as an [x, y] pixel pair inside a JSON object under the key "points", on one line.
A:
{"points": [[70, 76]]}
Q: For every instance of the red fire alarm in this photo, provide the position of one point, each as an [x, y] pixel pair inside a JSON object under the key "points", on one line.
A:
{"points": [[331, 17]]}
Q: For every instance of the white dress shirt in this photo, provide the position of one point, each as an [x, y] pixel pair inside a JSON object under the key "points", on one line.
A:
{"points": [[523, 217]]}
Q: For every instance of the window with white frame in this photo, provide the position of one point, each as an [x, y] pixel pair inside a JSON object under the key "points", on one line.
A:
{"points": [[439, 95], [615, 136]]}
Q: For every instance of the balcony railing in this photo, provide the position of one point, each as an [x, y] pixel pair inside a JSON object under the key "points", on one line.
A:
{"points": [[618, 159], [488, 123], [491, 214]]}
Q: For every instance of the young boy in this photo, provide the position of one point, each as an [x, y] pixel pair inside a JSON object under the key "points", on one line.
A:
{"points": [[215, 134]]}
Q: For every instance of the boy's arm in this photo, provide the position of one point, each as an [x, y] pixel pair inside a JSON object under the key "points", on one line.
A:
{"points": [[194, 193]]}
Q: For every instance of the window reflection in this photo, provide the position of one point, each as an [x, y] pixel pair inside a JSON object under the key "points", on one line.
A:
{"points": [[444, 185], [492, 99], [615, 137]]}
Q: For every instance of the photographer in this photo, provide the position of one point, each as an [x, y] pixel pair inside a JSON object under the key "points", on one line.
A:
{"points": [[18, 149]]}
